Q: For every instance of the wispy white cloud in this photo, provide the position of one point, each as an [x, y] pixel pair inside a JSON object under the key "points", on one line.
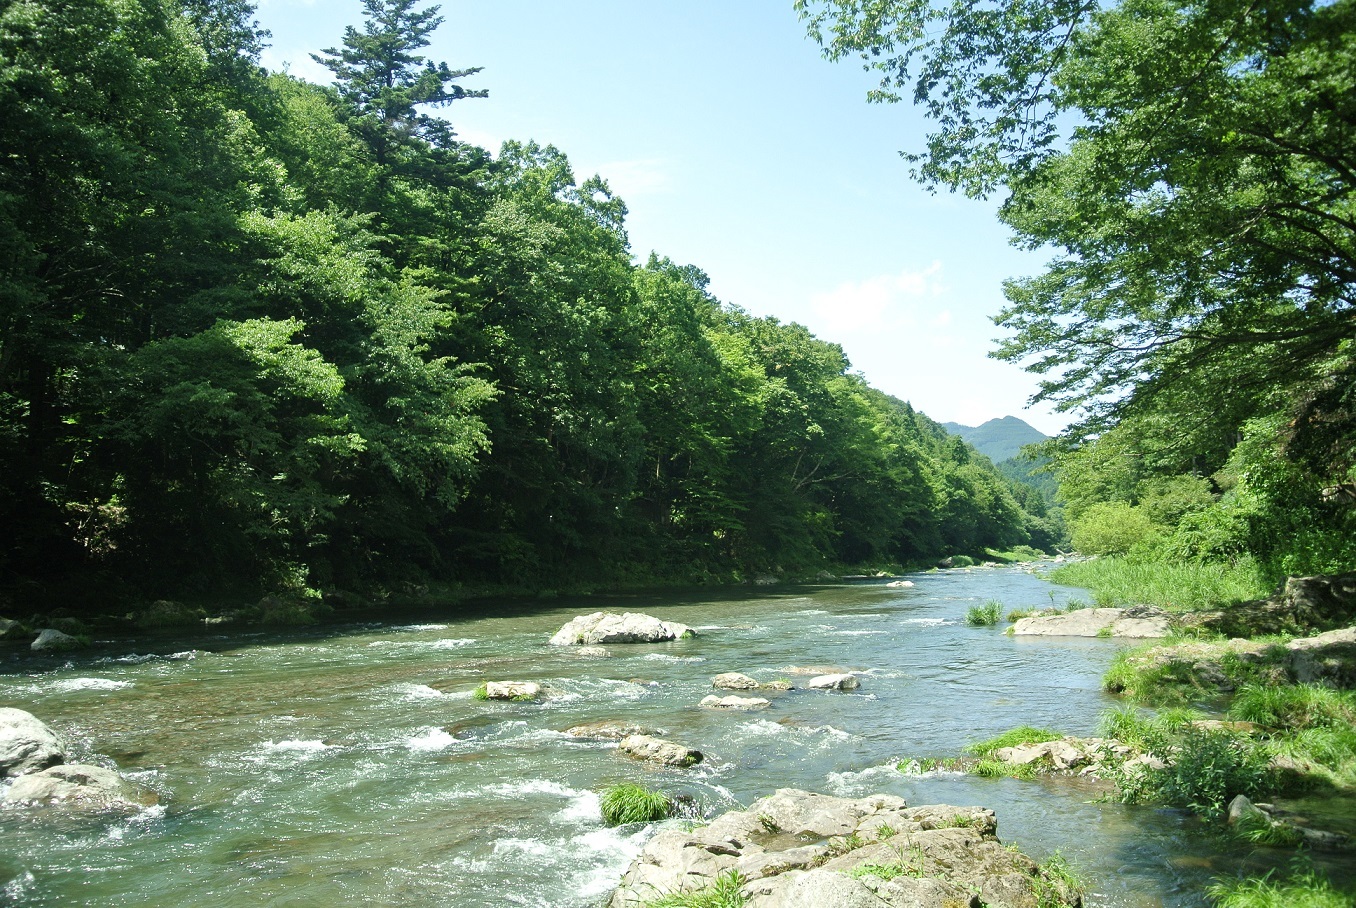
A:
{"points": [[885, 301]]}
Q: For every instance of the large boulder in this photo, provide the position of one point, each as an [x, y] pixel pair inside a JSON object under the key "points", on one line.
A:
{"points": [[78, 785], [796, 849], [51, 640], [10, 629], [1096, 622], [657, 750], [27, 744], [1301, 605], [607, 627], [1328, 658]]}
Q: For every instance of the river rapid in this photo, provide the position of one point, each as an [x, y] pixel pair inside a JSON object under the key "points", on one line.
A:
{"points": [[350, 765]]}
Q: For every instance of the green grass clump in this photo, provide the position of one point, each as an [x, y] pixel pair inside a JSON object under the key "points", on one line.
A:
{"points": [[1057, 883], [1208, 769], [480, 693], [1176, 586], [725, 892], [628, 803], [985, 615], [1023, 734], [1298, 707], [1260, 829], [1302, 889], [998, 769]]}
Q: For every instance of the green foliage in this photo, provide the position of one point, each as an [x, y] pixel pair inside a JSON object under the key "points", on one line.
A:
{"points": [[1258, 828], [1058, 884], [628, 803], [1208, 769], [985, 615], [1023, 734], [1295, 707], [1304, 887], [998, 769], [1170, 585], [725, 892], [1111, 528]]}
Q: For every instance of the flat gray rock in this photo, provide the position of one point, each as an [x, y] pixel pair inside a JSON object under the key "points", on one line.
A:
{"points": [[1093, 622], [833, 682], [714, 702]]}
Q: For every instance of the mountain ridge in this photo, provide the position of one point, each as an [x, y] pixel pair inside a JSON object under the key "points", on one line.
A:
{"points": [[998, 439]]}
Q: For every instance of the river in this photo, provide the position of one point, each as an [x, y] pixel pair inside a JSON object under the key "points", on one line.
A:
{"points": [[351, 765]]}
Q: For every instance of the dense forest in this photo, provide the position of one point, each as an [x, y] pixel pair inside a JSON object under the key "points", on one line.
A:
{"points": [[259, 334], [1190, 168]]}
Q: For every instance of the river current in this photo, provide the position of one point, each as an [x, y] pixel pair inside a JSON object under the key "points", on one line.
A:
{"points": [[351, 765]]}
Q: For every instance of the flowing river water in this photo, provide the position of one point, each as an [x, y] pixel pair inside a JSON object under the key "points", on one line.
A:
{"points": [[351, 765]]}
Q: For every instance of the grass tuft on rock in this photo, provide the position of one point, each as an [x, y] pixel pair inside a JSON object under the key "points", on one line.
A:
{"points": [[1023, 734], [629, 803], [726, 892]]}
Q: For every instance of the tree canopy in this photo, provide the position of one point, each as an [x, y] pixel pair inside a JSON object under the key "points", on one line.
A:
{"points": [[279, 336], [1191, 169]]}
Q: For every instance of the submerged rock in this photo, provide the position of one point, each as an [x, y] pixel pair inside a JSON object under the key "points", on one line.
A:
{"points": [[78, 785], [1140, 623], [592, 652], [657, 750], [27, 744], [841, 681], [609, 731], [51, 640], [714, 702], [797, 849], [629, 627]]}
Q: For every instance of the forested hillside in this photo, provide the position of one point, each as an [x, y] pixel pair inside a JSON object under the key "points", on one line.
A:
{"points": [[260, 334]]}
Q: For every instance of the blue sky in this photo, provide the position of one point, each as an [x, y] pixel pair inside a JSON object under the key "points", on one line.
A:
{"points": [[739, 149]]}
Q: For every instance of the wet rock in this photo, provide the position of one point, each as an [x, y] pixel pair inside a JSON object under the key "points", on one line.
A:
{"points": [[1059, 754], [52, 640], [842, 681], [630, 627], [10, 629], [733, 681], [657, 750], [779, 684], [1328, 658], [899, 584], [78, 785], [1093, 622], [745, 703], [27, 744], [797, 849], [1241, 810], [610, 731], [593, 652], [512, 690], [812, 670]]}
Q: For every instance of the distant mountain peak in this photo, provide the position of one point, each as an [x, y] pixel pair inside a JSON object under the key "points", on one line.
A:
{"points": [[998, 439]]}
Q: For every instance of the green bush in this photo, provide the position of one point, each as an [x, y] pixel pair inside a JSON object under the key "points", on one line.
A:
{"points": [[628, 803], [1111, 528], [1208, 770], [986, 615]]}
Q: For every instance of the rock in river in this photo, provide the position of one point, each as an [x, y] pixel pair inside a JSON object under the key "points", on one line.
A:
{"points": [[796, 849], [512, 690], [832, 682], [52, 640], [27, 744], [714, 702], [77, 785], [657, 750], [609, 731], [607, 627], [734, 681]]}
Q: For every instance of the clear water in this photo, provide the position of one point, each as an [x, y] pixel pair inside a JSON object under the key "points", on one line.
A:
{"points": [[351, 765]]}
